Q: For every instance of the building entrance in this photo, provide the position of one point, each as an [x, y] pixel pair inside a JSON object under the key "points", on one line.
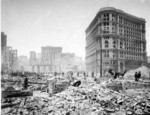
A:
{"points": [[121, 66]]}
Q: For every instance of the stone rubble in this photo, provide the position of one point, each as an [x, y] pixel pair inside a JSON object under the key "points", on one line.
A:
{"points": [[89, 98]]}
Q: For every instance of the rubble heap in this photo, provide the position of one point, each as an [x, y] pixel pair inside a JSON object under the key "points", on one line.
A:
{"points": [[90, 99]]}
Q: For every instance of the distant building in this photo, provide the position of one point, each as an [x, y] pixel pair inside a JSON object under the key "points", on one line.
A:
{"points": [[50, 53], [10, 59], [78, 60], [24, 63], [7, 59], [67, 62], [3, 40], [115, 39], [50, 56], [32, 57], [3, 46], [79, 63], [14, 60], [22, 57], [23, 60], [38, 57]]}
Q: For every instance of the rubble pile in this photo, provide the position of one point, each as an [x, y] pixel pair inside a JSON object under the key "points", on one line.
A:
{"points": [[89, 98], [16, 82], [145, 73]]}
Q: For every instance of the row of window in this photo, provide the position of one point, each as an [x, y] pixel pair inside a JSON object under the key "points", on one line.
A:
{"points": [[111, 62], [106, 54], [131, 56], [122, 20], [130, 33], [114, 44], [107, 17], [129, 22], [127, 43], [91, 34]]}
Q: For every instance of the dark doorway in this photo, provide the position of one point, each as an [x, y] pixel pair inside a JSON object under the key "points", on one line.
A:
{"points": [[121, 66]]}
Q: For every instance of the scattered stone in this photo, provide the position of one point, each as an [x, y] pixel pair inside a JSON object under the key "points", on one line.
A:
{"points": [[87, 99], [129, 113]]}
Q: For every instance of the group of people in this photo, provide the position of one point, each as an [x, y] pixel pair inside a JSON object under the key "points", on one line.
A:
{"points": [[137, 76]]}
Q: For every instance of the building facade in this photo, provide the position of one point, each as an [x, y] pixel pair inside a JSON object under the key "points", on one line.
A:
{"points": [[3, 40], [79, 63], [67, 62], [32, 57], [115, 39], [3, 47], [14, 60], [24, 64], [50, 56], [38, 57], [10, 60]]}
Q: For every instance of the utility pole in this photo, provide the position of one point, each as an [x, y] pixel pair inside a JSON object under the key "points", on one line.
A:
{"points": [[101, 56], [96, 57], [107, 3]]}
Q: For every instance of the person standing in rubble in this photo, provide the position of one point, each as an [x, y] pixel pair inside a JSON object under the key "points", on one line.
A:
{"points": [[136, 76], [25, 83], [55, 74], [62, 73], [92, 74], [84, 74]]}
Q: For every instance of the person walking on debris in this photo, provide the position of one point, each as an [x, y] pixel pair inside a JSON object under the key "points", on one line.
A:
{"points": [[136, 76]]}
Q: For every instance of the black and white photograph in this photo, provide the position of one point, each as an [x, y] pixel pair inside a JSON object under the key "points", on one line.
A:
{"points": [[75, 57]]}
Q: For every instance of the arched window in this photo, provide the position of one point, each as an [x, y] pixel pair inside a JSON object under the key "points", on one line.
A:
{"points": [[106, 44], [114, 44], [121, 45]]}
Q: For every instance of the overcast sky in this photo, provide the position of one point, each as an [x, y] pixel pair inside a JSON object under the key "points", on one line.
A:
{"points": [[30, 24]]}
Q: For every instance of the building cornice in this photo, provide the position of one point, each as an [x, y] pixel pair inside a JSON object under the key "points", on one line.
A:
{"points": [[105, 9]]}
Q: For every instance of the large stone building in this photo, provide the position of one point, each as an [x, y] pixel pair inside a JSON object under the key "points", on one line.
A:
{"points": [[115, 39], [50, 56], [67, 62], [71, 62]]}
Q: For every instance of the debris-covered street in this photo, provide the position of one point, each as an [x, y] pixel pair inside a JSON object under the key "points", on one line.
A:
{"points": [[121, 96]]}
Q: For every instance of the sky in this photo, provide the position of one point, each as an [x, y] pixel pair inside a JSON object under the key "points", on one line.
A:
{"points": [[31, 24]]}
